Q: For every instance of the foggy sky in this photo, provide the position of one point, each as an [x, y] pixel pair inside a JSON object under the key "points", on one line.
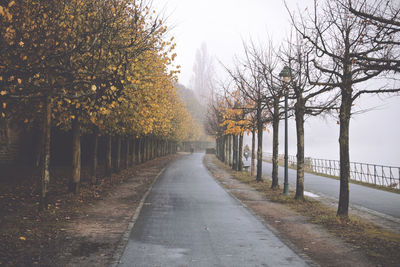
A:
{"points": [[224, 24]]}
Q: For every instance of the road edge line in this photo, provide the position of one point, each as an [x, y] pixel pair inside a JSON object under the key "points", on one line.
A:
{"points": [[125, 237]]}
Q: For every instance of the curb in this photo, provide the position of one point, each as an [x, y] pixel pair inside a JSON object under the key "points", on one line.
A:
{"points": [[125, 237]]}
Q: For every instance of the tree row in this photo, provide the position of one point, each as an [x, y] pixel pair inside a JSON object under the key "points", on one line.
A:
{"points": [[337, 52], [99, 67]]}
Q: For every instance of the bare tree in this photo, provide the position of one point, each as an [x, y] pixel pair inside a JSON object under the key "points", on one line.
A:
{"points": [[202, 81], [250, 83], [308, 100], [337, 39], [213, 125], [267, 63]]}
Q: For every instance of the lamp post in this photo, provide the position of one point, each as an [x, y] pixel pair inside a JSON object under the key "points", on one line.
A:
{"points": [[286, 76]]}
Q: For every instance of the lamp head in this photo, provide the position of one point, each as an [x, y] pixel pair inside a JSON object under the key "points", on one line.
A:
{"points": [[286, 74]]}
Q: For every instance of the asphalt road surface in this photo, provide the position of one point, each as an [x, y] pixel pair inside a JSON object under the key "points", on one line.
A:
{"points": [[188, 219], [375, 200]]}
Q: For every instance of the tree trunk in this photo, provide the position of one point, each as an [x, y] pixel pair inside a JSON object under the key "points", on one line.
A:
{"points": [[159, 148], [151, 150], [167, 147], [344, 196], [149, 147], [143, 152], [153, 147], [230, 150], [223, 148], [118, 156], [226, 149], [94, 156], [299, 113], [45, 179], [133, 158], [108, 163], [217, 145], [145, 143], [240, 163], [76, 156], [39, 149], [219, 148], [259, 147], [127, 152], [253, 152], [275, 147], [164, 148], [235, 152], [139, 150]]}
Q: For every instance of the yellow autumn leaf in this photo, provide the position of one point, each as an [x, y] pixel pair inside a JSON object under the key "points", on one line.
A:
{"points": [[11, 3], [22, 238], [3, 92]]}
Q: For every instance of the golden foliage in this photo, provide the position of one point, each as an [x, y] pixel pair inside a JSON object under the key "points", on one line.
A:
{"points": [[105, 62]]}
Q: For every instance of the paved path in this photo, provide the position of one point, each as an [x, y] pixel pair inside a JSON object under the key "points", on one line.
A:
{"points": [[379, 201], [189, 220]]}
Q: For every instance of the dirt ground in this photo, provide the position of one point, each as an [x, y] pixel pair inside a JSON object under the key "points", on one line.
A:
{"points": [[298, 231], [76, 230]]}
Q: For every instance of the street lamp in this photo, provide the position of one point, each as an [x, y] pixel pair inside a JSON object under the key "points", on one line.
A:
{"points": [[286, 76]]}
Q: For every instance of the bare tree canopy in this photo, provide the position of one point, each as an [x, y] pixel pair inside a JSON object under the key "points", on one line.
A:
{"points": [[344, 49], [384, 18]]}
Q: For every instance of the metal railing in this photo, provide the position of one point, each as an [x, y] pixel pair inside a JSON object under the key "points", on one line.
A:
{"points": [[388, 176]]}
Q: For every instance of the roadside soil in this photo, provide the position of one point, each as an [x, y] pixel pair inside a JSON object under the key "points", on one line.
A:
{"points": [[76, 230], [315, 240]]}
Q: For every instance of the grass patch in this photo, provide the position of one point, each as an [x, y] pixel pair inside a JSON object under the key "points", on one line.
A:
{"points": [[380, 244]]}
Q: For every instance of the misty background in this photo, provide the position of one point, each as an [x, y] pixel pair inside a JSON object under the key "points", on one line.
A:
{"points": [[214, 31]]}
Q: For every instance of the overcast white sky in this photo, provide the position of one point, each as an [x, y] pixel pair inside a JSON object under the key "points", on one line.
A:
{"points": [[223, 24]]}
